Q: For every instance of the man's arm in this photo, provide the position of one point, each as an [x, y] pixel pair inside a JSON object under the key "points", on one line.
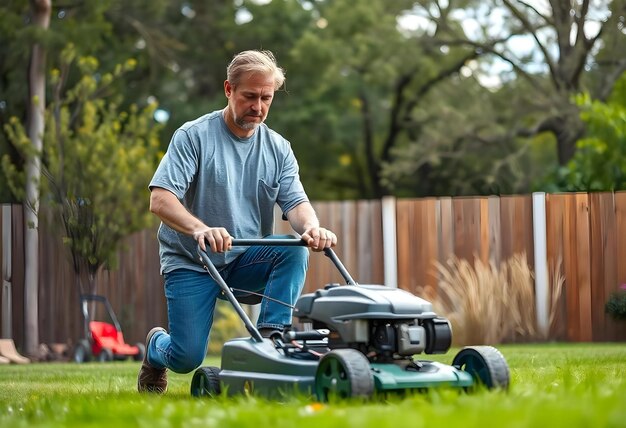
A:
{"points": [[304, 221], [171, 211]]}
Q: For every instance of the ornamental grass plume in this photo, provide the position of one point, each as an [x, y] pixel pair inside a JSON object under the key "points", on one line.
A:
{"points": [[490, 303]]}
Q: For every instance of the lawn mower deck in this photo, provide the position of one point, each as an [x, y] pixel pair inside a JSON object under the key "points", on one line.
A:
{"points": [[363, 340]]}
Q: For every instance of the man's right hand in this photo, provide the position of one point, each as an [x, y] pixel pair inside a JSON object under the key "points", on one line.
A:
{"points": [[218, 238]]}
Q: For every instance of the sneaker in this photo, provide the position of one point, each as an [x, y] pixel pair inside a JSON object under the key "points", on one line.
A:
{"points": [[151, 379]]}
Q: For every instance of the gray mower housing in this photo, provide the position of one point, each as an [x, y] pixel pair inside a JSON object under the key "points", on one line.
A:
{"points": [[376, 317]]}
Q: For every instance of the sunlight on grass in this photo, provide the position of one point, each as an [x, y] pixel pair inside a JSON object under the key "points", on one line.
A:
{"points": [[559, 385]]}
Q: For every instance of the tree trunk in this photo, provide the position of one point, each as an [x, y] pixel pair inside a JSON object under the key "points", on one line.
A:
{"points": [[36, 106], [570, 129]]}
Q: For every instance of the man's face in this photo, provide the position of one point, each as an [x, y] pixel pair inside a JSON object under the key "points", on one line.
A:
{"points": [[249, 102]]}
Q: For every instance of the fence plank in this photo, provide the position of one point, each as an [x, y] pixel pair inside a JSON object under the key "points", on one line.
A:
{"points": [[555, 247], [423, 245], [583, 265], [404, 227], [620, 254], [570, 264], [466, 227], [17, 270], [602, 261], [494, 234], [446, 230], [484, 227]]}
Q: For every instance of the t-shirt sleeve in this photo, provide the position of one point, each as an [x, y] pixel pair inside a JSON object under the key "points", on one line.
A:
{"points": [[179, 165], [291, 191]]}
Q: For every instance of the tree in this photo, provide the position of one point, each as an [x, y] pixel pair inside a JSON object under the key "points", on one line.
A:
{"points": [[98, 161], [36, 126], [598, 164], [344, 91], [390, 95], [567, 37], [110, 30], [403, 90]]}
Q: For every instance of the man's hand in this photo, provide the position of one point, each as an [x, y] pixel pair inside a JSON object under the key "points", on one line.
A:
{"points": [[318, 238], [218, 238]]}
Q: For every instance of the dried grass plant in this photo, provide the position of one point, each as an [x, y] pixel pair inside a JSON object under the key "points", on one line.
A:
{"points": [[557, 280], [486, 303]]}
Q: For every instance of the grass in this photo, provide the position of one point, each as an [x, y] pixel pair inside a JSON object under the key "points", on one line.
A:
{"points": [[556, 385]]}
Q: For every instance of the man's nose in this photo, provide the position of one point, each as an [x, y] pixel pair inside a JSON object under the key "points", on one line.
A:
{"points": [[256, 105]]}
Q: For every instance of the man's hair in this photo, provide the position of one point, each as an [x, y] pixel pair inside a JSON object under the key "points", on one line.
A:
{"points": [[254, 61]]}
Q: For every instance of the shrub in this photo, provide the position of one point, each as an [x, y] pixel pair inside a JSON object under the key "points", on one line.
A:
{"points": [[615, 307], [226, 325]]}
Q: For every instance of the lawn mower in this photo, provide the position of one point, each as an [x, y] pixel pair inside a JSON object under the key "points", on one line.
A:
{"points": [[359, 341], [103, 340]]}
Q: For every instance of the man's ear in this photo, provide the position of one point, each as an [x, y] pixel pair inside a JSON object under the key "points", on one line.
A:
{"points": [[228, 88]]}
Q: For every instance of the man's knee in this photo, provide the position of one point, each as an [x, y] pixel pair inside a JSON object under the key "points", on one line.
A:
{"points": [[186, 362]]}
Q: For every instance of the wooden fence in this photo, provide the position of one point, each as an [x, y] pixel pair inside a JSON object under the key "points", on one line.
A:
{"points": [[586, 232]]}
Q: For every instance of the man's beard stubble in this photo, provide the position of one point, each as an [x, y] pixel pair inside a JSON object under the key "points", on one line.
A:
{"points": [[248, 126]]}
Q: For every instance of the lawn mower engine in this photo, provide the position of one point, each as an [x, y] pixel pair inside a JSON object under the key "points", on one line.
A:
{"points": [[385, 324]]}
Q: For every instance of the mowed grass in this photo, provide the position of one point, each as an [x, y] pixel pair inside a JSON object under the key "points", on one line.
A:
{"points": [[555, 385]]}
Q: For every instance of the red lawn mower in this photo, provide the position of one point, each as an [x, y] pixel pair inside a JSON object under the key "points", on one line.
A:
{"points": [[103, 340]]}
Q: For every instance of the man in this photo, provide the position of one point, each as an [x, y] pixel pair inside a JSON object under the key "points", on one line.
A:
{"points": [[220, 179]]}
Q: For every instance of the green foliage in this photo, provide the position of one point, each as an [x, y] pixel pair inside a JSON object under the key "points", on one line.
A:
{"points": [[16, 178], [226, 325], [599, 162], [616, 306], [97, 161]]}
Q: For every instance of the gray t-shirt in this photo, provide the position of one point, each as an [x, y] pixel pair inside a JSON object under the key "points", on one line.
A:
{"points": [[227, 182]]}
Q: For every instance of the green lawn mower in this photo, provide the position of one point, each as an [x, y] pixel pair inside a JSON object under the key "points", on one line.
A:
{"points": [[361, 340]]}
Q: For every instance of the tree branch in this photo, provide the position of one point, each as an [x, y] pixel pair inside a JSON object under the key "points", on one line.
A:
{"points": [[580, 23], [533, 32], [368, 135], [394, 115], [547, 19], [489, 47]]}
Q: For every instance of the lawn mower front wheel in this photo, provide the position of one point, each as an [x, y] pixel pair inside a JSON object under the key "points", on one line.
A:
{"points": [[343, 373], [206, 382], [486, 364]]}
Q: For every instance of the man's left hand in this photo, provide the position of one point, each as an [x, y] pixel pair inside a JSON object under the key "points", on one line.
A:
{"points": [[318, 238]]}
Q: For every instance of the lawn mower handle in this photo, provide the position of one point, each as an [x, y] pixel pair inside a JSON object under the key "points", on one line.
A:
{"points": [[295, 242], [208, 264]]}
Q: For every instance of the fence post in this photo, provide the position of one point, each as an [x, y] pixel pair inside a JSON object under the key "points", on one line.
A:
{"points": [[390, 258], [541, 262]]}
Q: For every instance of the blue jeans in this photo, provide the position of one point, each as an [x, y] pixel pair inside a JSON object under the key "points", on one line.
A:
{"points": [[277, 272]]}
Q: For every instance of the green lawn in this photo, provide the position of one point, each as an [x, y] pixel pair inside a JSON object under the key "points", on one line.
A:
{"points": [[557, 385]]}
